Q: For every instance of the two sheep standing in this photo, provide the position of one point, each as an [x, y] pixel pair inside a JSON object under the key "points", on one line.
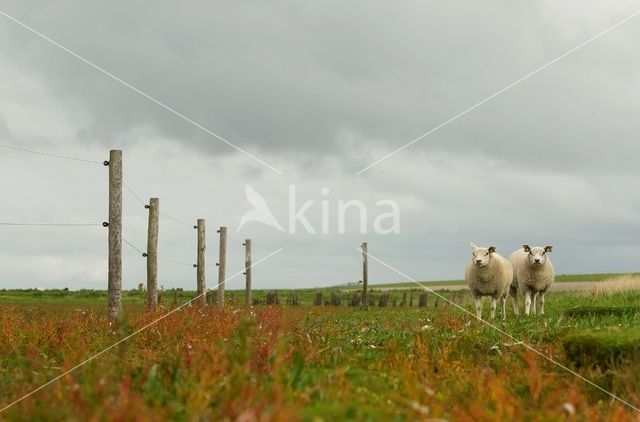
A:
{"points": [[528, 272]]}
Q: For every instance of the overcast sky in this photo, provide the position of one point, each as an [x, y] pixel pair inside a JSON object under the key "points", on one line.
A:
{"points": [[320, 90]]}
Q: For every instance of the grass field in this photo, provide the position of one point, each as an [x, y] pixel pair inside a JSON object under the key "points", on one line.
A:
{"points": [[559, 278], [317, 363], [305, 296]]}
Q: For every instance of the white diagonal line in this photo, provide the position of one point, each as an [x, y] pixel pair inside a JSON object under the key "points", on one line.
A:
{"points": [[506, 88], [138, 91], [132, 334], [550, 359]]}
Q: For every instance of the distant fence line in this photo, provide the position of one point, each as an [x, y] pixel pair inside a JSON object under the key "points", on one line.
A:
{"points": [[395, 299]]}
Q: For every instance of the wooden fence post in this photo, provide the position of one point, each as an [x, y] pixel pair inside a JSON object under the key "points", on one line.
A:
{"points": [[152, 254], [247, 271], [114, 308], [365, 274], [200, 266], [222, 265]]}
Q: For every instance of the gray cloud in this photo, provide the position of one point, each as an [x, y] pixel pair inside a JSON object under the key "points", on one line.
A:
{"points": [[320, 91], [293, 78]]}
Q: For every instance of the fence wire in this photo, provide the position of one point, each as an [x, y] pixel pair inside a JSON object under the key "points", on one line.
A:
{"points": [[46, 154], [126, 186], [144, 254], [51, 224]]}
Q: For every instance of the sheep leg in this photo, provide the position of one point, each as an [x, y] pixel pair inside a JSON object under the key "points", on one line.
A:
{"points": [[533, 305], [479, 307], [527, 302], [513, 292], [494, 302], [541, 303], [504, 307], [514, 302]]}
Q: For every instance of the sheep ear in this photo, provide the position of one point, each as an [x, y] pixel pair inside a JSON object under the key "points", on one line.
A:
{"points": [[548, 248], [473, 246], [526, 248], [492, 249]]}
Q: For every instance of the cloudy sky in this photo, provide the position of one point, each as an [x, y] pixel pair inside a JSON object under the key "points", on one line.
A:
{"points": [[320, 90]]}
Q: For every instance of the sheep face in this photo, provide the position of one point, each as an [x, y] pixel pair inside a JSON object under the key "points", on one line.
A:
{"points": [[537, 256], [481, 256]]}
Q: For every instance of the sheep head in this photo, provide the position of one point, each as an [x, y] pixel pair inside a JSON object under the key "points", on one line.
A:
{"points": [[481, 256], [537, 255]]}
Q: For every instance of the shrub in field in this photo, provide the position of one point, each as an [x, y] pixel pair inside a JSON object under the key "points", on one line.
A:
{"points": [[602, 348]]}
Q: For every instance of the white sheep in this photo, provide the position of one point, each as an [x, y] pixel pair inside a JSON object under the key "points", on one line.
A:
{"points": [[533, 275], [488, 274]]}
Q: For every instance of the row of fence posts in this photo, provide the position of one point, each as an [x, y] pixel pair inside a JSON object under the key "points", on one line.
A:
{"points": [[203, 297], [384, 300], [114, 306], [334, 299]]}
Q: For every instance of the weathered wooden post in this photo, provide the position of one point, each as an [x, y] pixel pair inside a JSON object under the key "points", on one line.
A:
{"points": [[222, 265], [114, 307], [365, 274], [247, 271], [200, 266], [152, 253], [422, 300]]}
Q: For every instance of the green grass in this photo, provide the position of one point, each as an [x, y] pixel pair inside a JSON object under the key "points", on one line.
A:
{"points": [[588, 311], [603, 347], [305, 296]]}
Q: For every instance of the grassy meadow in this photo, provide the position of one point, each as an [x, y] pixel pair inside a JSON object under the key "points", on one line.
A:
{"points": [[319, 362]]}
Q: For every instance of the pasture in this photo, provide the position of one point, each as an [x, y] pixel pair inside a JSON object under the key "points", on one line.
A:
{"points": [[310, 362]]}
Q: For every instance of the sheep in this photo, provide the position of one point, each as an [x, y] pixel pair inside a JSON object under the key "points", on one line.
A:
{"points": [[533, 275], [488, 274]]}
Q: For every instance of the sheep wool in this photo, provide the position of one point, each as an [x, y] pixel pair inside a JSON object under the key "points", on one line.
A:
{"points": [[533, 275], [488, 274]]}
